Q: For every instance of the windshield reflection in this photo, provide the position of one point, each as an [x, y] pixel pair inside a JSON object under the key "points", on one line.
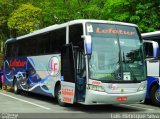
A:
{"points": [[104, 59]]}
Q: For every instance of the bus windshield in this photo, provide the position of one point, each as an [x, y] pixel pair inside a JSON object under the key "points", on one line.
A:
{"points": [[117, 53]]}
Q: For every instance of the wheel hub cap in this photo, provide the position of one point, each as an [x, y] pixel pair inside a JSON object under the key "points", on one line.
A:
{"points": [[158, 95]]}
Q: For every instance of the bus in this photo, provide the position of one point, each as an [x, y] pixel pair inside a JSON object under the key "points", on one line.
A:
{"points": [[151, 46], [82, 61]]}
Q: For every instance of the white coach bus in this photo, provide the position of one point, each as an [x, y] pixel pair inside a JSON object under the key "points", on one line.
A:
{"points": [[81, 61], [151, 46]]}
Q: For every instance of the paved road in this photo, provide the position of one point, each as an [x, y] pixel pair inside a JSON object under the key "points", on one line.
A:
{"points": [[32, 105]]}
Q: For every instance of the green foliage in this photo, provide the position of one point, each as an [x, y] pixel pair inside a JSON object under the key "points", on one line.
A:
{"points": [[5, 9], [144, 13], [149, 16], [25, 18]]}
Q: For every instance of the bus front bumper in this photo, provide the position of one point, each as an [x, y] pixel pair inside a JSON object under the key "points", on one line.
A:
{"points": [[96, 97]]}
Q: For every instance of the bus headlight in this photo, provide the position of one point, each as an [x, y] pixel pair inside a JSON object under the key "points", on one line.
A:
{"points": [[142, 86], [95, 87]]}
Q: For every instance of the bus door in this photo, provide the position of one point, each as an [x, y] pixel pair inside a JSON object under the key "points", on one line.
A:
{"points": [[80, 74], [68, 76]]}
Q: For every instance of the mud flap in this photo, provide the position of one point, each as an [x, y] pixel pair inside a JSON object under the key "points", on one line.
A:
{"points": [[67, 92]]}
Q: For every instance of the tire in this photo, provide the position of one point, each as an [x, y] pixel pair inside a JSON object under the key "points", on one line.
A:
{"points": [[155, 95], [58, 96], [15, 87]]}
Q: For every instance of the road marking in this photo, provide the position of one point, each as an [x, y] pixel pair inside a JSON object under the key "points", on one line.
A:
{"points": [[26, 101], [136, 107]]}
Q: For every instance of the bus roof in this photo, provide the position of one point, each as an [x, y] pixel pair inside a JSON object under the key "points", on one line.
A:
{"points": [[151, 34], [56, 26]]}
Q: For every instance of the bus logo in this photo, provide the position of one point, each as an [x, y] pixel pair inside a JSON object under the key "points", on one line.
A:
{"points": [[15, 63], [54, 66]]}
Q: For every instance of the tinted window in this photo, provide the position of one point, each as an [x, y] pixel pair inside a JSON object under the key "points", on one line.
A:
{"points": [[8, 50], [41, 44], [58, 39], [20, 46], [68, 64], [11, 49], [148, 49], [75, 33]]}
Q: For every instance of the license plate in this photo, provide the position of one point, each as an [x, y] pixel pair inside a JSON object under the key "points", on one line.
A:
{"points": [[122, 98]]}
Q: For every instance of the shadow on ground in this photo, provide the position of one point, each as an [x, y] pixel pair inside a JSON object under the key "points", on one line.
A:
{"points": [[82, 108]]}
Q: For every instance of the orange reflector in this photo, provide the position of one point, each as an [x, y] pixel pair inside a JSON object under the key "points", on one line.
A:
{"points": [[122, 98]]}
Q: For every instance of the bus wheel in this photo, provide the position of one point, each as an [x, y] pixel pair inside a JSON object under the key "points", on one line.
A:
{"points": [[59, 97], [155, 95], [15, 87]]}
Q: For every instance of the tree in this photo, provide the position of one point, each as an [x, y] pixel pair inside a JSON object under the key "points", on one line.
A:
{"points": [[36, 14], [144, 13], [5, 10], [25, 19]]}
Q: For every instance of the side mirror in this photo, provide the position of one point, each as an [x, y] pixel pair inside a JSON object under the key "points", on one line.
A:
{"points": [[87, 44], [155, 49]]}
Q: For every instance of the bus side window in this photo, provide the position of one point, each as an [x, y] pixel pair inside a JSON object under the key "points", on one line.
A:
{"points": [[20, 46], [57, 39], [148, 49], [8, 50], [75, 33], [26, 51], [33, 46], [14, 50]]}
